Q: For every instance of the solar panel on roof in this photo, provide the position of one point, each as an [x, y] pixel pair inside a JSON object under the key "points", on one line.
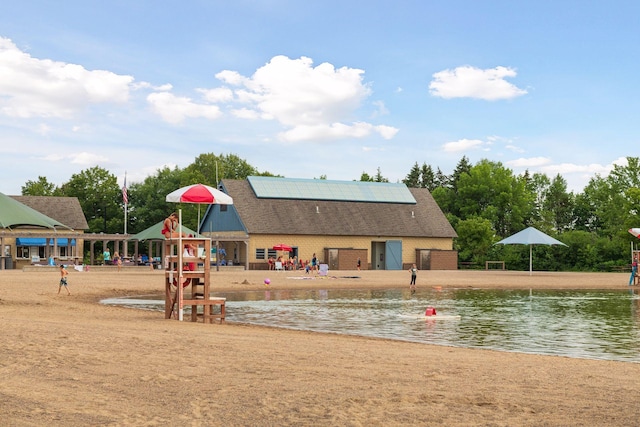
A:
{"points": [[321, 189]]}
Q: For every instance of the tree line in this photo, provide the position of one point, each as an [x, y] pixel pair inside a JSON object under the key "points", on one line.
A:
{"points": [[484, 202]]}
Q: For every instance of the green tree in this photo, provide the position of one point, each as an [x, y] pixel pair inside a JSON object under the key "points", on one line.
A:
{"points": [[441, 179], [609, 205], [412, 179], [427, 177], [100, 198], [41, 187], [365, 177], [491, 191], [209, 169], [463, 167], [379, 177], [475, 238], [536, 185], [558, 205], [147, 200]]}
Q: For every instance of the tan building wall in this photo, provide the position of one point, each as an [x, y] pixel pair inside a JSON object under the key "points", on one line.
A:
{"points": [[308, 245], [75, 253]]}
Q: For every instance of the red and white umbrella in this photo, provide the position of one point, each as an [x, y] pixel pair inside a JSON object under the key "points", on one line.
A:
{"points": [[635, 232], [282, 247], [199, 193]]}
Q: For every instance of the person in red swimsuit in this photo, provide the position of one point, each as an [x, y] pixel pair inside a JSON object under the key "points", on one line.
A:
{"points": [[169, 227]]}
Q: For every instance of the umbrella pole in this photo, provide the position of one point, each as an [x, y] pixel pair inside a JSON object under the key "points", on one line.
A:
{"points": [[530, 260], [180, 290]]}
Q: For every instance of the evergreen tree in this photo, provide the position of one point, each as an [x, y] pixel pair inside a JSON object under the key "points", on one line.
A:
{"points": [[412, 179]]}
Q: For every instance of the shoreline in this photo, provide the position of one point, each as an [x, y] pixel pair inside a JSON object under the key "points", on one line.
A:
{"points": [[69, 360]]}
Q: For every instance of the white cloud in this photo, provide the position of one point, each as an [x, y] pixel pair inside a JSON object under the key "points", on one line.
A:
{"points": [[245, 113], [462, 145], [335, 131], [570, 168], [146, 85], [231, 77], [221, 94], [528, 162], [471, 82], [82, 158], [53, 157], [44, 129], [381, 109], [85, 158], [295, 93], [31, 87], [175, 110], [313, 102], [514, 148]]}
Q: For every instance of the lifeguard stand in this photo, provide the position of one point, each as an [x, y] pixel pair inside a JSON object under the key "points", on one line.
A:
{"points": [[187, 271]]}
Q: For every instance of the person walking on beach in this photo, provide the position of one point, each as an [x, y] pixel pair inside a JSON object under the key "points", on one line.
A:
{"points": [[358, 264], [63, 279], [117, 261], [414, 274], [106, 256]]}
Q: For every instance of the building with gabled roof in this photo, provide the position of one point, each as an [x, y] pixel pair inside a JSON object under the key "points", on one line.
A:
{"points": [[30, 242], [67, 210], [386, 225]]}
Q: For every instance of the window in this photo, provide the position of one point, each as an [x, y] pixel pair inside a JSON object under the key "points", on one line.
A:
{"points": [[22, 252], [272, 253], [260, 254]]}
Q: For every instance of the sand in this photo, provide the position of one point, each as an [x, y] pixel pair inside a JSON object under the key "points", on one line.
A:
{"points": [[70, 361]]}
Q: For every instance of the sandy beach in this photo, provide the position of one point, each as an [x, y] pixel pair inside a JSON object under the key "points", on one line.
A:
{"points": [[71, 361]]}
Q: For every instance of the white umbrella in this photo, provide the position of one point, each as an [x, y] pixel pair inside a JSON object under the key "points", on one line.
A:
{"points": [[530, 236], [200, 194]]}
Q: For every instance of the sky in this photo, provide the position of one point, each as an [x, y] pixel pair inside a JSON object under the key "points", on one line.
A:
{"points": [[306, 89]]}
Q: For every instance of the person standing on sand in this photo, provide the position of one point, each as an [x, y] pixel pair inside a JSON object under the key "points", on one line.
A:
{"points": [[414, 274], [117, 260], [358, 264], [63, 279]]}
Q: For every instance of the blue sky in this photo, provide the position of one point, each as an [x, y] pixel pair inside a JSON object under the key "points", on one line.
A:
{"points": [[311, 88]]}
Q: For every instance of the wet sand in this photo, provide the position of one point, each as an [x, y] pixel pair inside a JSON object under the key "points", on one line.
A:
{"points": [[70, 361]]}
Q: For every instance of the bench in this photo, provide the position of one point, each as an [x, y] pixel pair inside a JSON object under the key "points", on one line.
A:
{"points": [[467, 264], [207, 315], [498, 263]]}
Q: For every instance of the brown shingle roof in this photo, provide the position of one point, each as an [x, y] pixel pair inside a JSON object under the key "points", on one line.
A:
{"points": [[339, 218], [67, 210]]}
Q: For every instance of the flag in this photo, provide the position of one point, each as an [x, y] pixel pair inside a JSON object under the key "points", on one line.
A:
{"points": [[125, 196]]}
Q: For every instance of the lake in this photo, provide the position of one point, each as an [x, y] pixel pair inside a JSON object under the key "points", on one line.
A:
{"points": [[589, 324]]}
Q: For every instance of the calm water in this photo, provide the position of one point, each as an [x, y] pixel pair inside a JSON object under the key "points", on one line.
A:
{"points": [[586, 324]]}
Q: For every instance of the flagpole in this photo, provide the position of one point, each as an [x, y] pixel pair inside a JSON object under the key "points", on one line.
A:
{"points": [[125, 199]]}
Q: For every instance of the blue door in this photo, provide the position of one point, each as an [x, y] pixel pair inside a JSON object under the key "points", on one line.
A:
{"points": [[393, 259]]}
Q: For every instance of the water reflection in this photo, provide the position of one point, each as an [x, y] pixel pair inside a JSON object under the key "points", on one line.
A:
{"points": [[587, 323]]}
